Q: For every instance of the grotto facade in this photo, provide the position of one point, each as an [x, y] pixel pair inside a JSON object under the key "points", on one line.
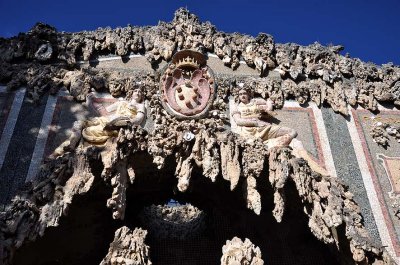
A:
{"points": [[182, 144]]}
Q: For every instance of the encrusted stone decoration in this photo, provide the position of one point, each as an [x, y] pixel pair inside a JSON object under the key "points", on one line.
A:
{"points": [[44, 52], [237, 252], [306, 73], [327, 202], [179, 222], [178, 137], [128, 248], [187, 85], [380, 132]]}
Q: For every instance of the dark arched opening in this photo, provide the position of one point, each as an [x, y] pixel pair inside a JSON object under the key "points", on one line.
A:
{"points": [[83, 237]]}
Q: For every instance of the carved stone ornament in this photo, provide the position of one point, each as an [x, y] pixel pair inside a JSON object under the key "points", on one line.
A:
{"points": [[187, 85]]}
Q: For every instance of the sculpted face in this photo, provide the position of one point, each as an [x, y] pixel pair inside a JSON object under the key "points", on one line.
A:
{"points": [[171, 34], [137, 95], [244, 96]]}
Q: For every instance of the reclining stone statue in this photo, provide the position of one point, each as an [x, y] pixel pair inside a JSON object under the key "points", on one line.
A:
{"points": [[99, 129], [252, 117]]}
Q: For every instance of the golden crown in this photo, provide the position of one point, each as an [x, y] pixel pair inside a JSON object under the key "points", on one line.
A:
{"points": [[188, 61]]}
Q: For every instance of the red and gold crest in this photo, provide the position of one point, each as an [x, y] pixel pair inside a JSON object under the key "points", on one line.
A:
{"points": [[188, 85]]}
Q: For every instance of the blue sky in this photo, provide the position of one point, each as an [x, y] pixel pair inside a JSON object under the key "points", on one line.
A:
{"points": [[369, 29]]}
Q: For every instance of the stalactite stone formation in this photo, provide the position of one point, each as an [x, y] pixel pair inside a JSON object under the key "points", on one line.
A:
{"points": [[128, 247], [236, 252]]}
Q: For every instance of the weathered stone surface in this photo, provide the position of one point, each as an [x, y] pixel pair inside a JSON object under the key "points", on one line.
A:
{"points": [[128, 248], [180, 222], [230, 162], [117, 170], [314, 190], [79, 183], [44, 52], [305, 73], [381, 131], [340, 80], [42, 203], [327, 202], [236, 252]]}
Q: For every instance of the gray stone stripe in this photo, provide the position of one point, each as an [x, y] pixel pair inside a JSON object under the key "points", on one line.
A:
{"points": [[10, 124], [20, 149], [347, 167]]}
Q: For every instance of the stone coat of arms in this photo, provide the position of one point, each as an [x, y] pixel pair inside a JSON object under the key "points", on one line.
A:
{"points": [[187, 85]]}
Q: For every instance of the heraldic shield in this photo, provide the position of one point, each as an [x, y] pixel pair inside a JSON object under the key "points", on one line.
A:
{"points": [[188, 85]]}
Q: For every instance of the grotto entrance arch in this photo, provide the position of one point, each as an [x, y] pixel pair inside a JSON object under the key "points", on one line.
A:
{"points": [[84, 235]]}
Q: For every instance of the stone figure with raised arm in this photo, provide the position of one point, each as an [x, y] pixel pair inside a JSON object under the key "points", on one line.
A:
{"points": [[253, 119], [121, 113], [98, 130]]}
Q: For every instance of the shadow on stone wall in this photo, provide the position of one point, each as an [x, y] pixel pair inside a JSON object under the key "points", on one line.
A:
{"points": [[84, 235]]}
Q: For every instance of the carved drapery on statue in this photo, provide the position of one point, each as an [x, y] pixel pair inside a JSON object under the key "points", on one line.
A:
{"points": [[120, 114], [253, 121], [187, 85]]}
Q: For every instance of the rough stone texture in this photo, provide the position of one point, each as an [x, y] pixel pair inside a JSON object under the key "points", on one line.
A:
{"points": [[327, 202], [116, 170], [236, 251], [179, 222], [230, 162], [128, 248], [313, 72], [43, 203], [381, 131]]}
